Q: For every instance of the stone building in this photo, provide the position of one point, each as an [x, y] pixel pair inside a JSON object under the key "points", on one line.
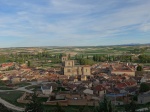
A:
{"points": [[69, 68], [64, 58]]}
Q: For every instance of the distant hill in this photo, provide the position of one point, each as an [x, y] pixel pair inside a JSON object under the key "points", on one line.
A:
{"points": [[62, 47], [134, 44]]}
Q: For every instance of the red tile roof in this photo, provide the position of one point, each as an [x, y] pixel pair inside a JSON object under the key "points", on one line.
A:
{"points": [[130, 83], [121, 85], [7, 64], [99, 88]]}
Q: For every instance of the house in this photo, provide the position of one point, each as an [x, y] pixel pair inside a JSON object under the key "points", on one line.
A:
{"points": [[42, 79], [140, 79], [87, 84], [88, 91], [7, 65], [144, 98], [99, 90], [120, 69], [72, 87], [121, 85], [131, 83], [46, 90], [131, 90], [15, 80], [147, 77], [5, 78]]}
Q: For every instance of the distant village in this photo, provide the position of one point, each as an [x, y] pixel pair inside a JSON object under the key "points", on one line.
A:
{"points": [[73, 84]]}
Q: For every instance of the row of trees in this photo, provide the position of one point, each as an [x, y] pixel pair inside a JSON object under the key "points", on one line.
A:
{"points": [[86, 59], [122, 58], [82, 59], [144, 59], [102, 58], [144, 87], [139, 50], [31, 59]]}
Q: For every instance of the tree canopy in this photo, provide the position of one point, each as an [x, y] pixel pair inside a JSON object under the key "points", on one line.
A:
{"points": [[34, 105], [105, 106], [144, 87], [4, 109], [139, 68]]}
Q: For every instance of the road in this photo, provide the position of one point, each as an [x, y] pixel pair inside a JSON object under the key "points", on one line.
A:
{"points": [[26, 90], [11, 106], [22, 88]]}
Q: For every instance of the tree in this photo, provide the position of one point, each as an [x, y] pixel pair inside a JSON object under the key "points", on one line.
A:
{"points": [[59, 108], [69, 56], [4, 109], [139, 68], [86, 109], [144, 58], [34, 105], [29, 63], [144, 87], [105, 106], [131, 107], [86, 62], [87, 57]]}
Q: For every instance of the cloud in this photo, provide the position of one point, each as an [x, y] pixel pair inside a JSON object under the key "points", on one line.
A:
{"points": [[55, 21], [145, 27]]}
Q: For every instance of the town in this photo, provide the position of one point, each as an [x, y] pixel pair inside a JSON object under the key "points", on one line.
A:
{"points": [[74, 55], [75, 77]]}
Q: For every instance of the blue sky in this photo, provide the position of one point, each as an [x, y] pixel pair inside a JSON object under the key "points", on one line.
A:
{"points": [[25, 23]]}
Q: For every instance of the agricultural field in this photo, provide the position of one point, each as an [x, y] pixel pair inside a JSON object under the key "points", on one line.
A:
{"points": [[47, 57]]}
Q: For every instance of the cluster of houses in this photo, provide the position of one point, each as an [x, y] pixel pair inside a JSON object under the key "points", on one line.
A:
{"points": [[83, 85]]}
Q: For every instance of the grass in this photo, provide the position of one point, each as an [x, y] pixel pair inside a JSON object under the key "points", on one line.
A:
{"points": [[12, 97], [22, 84], [2, 83], [42, 99], [5, 88]]}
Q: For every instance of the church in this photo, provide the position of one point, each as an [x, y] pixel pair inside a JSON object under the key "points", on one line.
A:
{"points": [[70, 69]]}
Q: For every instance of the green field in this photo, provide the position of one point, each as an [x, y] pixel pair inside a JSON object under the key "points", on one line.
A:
{"points": [[12, 97], [2, 83], [5, 88]]}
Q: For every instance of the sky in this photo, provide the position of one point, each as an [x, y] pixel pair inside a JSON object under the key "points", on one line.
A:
{"points": [[29, 23]]}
